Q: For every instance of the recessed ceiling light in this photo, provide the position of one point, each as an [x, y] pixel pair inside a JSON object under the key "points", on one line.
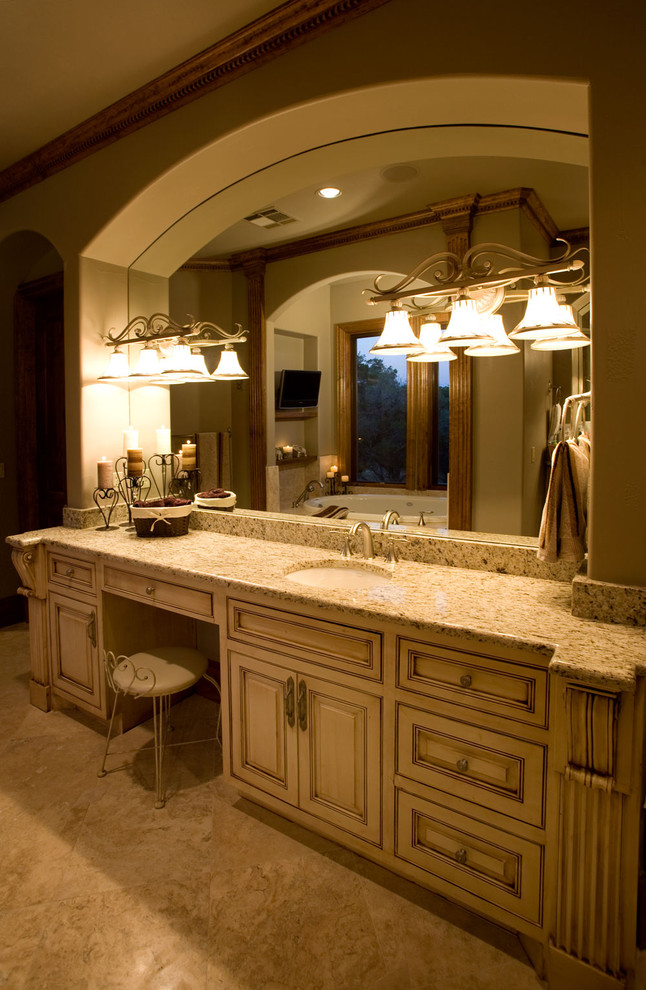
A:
{"points": [[328, 192]]}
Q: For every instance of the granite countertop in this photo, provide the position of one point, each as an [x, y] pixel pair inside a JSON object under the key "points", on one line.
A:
{"points": [[479, 605]]}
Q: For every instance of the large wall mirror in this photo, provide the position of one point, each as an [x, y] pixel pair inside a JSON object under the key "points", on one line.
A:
{"points": [[309, 291]]}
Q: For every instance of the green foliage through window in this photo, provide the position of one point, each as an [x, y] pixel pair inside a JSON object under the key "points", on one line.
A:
{"points": [[381, 421]]}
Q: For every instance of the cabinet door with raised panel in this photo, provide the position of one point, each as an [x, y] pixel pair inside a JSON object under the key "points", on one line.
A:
{"points": [[263, 735], [339, 731], [76, 671]]}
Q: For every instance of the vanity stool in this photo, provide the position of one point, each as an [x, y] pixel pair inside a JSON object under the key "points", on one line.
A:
{"points": [[157, 674]]}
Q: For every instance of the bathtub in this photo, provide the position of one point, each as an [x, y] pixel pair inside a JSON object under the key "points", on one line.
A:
{"points": [[371, 508]]}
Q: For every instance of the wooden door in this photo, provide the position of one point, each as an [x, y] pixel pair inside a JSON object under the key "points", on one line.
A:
{"points": [[76, 670], [340, 756], [39, 350], [263, 735]]}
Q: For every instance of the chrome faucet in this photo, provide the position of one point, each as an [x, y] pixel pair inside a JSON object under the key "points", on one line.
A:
{"points": [[390, 516], [309, 488], [366, 540]]}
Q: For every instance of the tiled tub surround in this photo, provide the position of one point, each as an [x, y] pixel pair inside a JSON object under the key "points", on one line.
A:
{"points": [[477, 738]]}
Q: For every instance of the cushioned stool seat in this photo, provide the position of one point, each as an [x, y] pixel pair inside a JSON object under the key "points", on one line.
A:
{"points": [[174, 668], [157, 673]]}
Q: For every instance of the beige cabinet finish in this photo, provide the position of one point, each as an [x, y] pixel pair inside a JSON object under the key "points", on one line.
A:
{"points": [[307, 741], [76, 670], [495, 866], [155, 591], [493, 769]]}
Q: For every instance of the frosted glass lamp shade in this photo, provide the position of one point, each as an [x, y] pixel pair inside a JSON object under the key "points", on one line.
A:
{"points": [[544, 317], [148, 363], [569, 342], [498, 344], [229, 367], [199, 364], [465, 326], [434, 351], [118, 367], [397, 336]]}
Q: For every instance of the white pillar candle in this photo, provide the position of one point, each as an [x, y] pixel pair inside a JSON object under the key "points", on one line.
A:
{"points": [[330, 474], [334, 468], [130, 439], [162, 440], [104, 473], [345, 478]]}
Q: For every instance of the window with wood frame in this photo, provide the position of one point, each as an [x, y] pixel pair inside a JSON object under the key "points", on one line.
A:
{"points": [[392, 415]]}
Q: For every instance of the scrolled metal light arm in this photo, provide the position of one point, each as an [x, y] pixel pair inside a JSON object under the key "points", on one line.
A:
{"points": [[484, 265], [159, 326]]}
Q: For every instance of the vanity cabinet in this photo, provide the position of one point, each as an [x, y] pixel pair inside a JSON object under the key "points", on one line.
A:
{"points": [[471, 773], [76, 669], [310, 740]]}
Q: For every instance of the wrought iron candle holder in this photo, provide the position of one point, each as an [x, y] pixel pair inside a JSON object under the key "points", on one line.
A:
{"points": [[106, 500], [167, 465], [132, 488], [185, 484]]}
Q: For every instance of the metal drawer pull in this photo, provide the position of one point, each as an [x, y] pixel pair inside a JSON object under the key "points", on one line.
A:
{"points": [[150, 590], [462, 765], [461, 855], [465, 680], [289, 702], [302, 705], [69, 571]]}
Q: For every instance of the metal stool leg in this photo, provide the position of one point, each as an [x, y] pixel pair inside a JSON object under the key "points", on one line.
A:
{"points": [[218, 729], [159, 716], [102, 772]]}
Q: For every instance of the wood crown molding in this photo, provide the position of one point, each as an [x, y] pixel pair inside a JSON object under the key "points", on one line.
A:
{"points": [[274, 34], [449, 211]]}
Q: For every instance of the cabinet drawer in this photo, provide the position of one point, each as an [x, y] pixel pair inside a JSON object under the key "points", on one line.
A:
{"points": [[489, 768], [327, 644], [482, 681], [71, 573], [477, 860], [150, 589]]}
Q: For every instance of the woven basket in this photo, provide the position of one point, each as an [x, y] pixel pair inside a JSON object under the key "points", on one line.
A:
{"points": [[162, 521]]}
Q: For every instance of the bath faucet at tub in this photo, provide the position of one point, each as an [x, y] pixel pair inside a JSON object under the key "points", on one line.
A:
{"points": [[390, 516], [366, 540], [309, 488]]}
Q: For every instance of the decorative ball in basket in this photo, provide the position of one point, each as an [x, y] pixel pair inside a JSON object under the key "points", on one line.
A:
{"points": [[162, 516]]}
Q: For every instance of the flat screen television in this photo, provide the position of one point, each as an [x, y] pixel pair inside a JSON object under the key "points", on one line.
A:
{"points": [[298, 389]]}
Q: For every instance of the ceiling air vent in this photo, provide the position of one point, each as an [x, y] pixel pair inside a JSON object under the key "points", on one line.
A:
{"points": [[270, 217]]}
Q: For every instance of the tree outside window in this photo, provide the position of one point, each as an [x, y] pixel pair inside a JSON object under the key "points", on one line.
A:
{"points": [[393, 415]]}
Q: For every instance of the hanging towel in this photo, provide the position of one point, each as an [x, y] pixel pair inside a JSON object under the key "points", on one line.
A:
{"points": [[563, 523]]}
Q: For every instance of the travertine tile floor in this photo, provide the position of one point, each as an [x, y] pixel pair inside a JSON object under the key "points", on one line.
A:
{"points": [[98, 891]]}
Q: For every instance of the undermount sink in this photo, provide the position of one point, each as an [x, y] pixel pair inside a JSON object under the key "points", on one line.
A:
{"points": [[332, 576]]}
